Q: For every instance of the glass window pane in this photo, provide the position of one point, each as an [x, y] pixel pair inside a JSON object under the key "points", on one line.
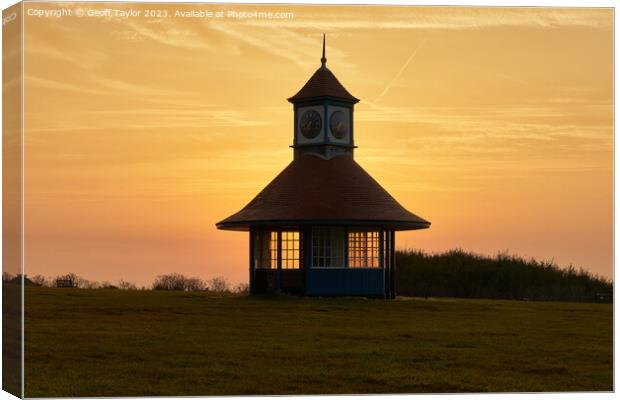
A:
{"points": [[328, 247], [363, 248], [290, 249]]}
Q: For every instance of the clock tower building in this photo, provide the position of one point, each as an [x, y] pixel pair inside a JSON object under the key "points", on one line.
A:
{"points": [[323, 115], [323, 226]]}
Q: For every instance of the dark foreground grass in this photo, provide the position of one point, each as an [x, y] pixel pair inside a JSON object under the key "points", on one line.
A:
{"points": [[130, 343]]}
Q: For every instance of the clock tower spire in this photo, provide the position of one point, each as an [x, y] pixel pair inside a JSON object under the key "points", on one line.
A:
{"points": [[323, 59], [323, 112]]}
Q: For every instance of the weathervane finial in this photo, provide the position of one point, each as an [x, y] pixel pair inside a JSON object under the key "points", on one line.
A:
{"points": [[323, 59]]}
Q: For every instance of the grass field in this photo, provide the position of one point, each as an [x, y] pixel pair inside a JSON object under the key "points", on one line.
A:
{"points": [[129, 343]]}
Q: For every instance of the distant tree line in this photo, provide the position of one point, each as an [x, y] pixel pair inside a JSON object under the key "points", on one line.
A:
{"points": [[173, 281], [457, 273], [454, 273], [176, 281]]}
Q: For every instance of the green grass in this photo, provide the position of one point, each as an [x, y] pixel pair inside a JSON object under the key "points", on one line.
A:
{"points": [[11, 338], [130, 343]]}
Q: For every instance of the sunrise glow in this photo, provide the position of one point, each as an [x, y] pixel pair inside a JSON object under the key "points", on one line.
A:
{"points": [[496, 124]]}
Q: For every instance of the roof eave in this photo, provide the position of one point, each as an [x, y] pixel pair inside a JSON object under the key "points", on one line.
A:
{"points": [[295, 99], [396, 225]]}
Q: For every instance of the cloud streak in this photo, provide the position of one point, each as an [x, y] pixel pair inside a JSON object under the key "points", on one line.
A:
{"points": [[400, 72], [446, 18]]}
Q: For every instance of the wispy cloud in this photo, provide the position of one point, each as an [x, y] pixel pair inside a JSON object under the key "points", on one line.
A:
{"points": [[63, 85], [89, 58], [143, 119], [494, 130], [400, 72], [446, 18], [496, 74], [99, 84], [126, 86], [276, 38], [170, 35]]}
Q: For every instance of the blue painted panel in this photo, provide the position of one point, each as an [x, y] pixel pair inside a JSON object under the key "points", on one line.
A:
{"points": [[372, 281], [353, 281], [344, 282]]}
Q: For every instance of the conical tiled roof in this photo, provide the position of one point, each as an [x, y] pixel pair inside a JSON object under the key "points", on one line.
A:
{"points": [[314, 190], [323, 83]]}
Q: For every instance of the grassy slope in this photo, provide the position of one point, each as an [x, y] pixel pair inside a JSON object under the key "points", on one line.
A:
{"points": [[457, 273], [11, 338], [107, 342]]}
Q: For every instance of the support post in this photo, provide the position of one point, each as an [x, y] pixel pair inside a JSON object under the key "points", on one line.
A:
{"points": [[279, 264], [252, 261], [393, 265], [346, 246], [382, 259], [388, 264], [307, 257]]}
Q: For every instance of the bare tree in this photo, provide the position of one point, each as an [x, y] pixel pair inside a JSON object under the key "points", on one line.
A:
{"points": [[106, 285], [176, 281], [242, 288], [124, 285], [86, 284], [41, 280], [219, 285], [194, 284]]}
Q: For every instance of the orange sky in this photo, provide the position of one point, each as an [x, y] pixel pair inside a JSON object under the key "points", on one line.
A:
{"points": [[494, 124]]}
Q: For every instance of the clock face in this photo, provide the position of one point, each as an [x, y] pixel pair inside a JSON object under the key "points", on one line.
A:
{"points": [[310, 124], [339, 124]]}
